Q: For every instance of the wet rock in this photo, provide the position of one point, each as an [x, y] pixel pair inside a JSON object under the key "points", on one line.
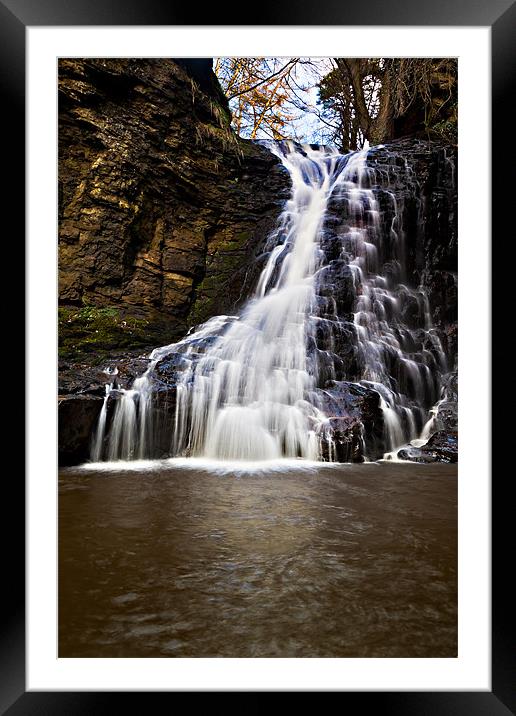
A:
{"points": [[168, 370], [337, 353], [354, 402], [342, 441], [410, 311], [163, 417], [77, 416], [82, 388], [330, 242], [447, 415], [413, 454], [160, 420], [441, 447], [336, 281], [421, 177], [90, 378]]}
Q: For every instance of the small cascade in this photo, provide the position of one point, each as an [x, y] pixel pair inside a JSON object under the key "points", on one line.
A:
{"points": [[123, 429], [332, 311], [388, 314], [98, 438], [97, 444]]}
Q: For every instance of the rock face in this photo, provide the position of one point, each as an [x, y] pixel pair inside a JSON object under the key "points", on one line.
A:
{"points": [[162, 210], [164, 216], [429, 225], [77, 415]]}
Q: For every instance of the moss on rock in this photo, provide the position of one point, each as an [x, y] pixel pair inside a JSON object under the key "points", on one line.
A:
{"points": [[93, 329]]}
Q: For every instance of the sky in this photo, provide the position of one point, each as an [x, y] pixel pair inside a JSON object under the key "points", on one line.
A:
{"points": [[306, 127]]}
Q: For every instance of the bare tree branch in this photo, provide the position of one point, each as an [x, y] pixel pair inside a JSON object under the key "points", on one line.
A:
{"points": [[264, 80]]}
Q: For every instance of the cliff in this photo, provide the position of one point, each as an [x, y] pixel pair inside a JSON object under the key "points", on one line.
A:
{"points": [[161, 208]]}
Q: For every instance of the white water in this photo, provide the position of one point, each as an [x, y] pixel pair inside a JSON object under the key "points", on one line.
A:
{"points": [[249, 388], [378, 313], [98, 439], [251, 396], [219, 467]]}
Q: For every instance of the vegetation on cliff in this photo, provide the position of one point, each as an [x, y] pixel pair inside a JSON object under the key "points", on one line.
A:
{"points": [[93, 332]]}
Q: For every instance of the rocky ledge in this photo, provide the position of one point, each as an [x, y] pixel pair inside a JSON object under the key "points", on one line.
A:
{"points": [[441, 447]]}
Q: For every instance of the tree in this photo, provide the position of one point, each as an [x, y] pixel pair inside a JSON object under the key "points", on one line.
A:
{"points": [[258, 94], [360, 99], [380, 99]]}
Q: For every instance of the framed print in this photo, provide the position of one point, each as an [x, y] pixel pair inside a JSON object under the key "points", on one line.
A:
{"points": [[67, 660]]}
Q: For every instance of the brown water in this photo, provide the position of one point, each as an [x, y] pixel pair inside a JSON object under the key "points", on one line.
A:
{"points": [[344, 561]]}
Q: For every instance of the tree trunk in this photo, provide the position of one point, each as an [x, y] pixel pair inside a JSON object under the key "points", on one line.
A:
{"points": [[382, 126], [354, 69]]}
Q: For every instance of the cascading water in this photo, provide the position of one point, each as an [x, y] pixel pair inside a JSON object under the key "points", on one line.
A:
{"points": [[406, 380], [255, 386]]}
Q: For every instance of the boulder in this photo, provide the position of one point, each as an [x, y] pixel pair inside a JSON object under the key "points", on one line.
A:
{"points": [[348, 404], [342, 440]]}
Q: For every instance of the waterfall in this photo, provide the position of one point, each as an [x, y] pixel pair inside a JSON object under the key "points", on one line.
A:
{"points": [[252, 394], [255, 385], [384, 339]]}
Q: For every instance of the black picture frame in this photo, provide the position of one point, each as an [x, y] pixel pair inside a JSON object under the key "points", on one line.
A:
{"points": [[500, 16]]}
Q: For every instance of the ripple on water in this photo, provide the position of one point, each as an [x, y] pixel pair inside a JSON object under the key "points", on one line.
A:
{"points": [[341, 561]]}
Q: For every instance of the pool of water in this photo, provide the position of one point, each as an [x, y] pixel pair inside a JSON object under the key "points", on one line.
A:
{"points": [[192, 559]]}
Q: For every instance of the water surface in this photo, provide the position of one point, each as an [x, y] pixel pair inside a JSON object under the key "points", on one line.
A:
{"points": [[338, 561]]}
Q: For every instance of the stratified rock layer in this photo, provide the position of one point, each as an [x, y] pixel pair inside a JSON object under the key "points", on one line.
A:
{"points": [[162, 209]]}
